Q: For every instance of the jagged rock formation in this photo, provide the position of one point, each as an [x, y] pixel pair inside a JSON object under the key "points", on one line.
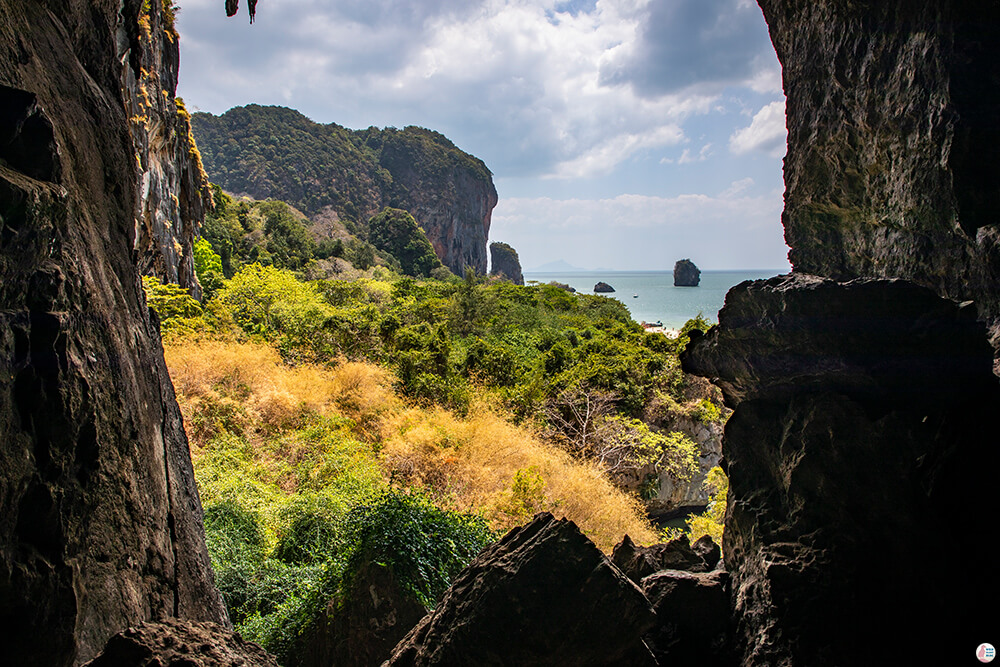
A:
{"points": [[891, 108], [543, 595], [603, 288], [686, 274], [504, 263], [174, 643], [638, 562], [856, 436], [100, 523], [173, 188], [332, 172]]}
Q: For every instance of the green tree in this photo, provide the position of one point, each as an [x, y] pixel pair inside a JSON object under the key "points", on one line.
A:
{"points": [[208, 267], [396, 232]]}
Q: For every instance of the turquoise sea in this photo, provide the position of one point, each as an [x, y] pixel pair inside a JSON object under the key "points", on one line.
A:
{"points": [[651, 296]]}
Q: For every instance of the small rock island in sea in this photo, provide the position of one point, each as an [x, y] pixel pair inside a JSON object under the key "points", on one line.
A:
{"points": [[603, 288], [686, 274]]}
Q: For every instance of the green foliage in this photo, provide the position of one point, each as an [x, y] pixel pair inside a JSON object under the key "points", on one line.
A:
{"points": [[397, 233], [712, 520], [707, 412], [179, 312], [426, 547], [527, 494], [271, 303], [208, 268]]}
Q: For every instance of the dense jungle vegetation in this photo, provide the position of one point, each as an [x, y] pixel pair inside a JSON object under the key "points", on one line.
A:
{"points": [[402, 420]]}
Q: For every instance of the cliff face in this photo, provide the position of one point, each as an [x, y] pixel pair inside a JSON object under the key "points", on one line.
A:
{"points": [[173, 188], [330, 171], [100, 523], [890, 109]]}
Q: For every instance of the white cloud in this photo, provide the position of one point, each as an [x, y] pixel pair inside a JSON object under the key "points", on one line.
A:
{"points": [[765, 134]]}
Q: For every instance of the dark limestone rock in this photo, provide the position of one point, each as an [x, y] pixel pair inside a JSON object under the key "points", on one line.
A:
{"points": [[563, 286], [694, 618], [100, 522], [709, 551], [505, 263], [857, 434], [362, 624], [174, 643], [603, 288], [893, 110], [686, 274], [543, 595], [638, 562]]}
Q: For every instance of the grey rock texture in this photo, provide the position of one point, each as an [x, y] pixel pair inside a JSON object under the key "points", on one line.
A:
{"points": [[173, 188], [543, 595], [100, 522], [686, 274], [174, 643], [603, 288], [857, 433], [505, 263], [892, 114]]}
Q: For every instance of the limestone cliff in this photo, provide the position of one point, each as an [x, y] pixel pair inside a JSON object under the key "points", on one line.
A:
{"points": [[173, 188], [100, 523], [892, 109], [328, 171], [505, 263]]}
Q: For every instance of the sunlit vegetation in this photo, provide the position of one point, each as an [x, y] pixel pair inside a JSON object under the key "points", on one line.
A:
{"points": [[403, 421]]}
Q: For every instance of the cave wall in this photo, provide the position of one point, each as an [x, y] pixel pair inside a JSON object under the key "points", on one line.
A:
{"points": [[100, 522], [893, 121]]}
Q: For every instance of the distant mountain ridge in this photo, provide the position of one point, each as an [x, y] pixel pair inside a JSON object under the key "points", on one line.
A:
{"points": [[331, 171]]}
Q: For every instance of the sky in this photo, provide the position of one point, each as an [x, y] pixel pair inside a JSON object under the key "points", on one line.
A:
{"points": [[622, 134]]}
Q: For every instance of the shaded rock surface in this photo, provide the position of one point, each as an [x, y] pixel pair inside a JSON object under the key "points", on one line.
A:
{"points": [[100, 522], [856, 435], [174, 643], [686, 274], [362, 624], [891, 109], [603, 288], [504, 262], [543, 595], [694, 625], [327, 170]]}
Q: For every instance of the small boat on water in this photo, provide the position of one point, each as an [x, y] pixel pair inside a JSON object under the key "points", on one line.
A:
{"points": [[635, 296]]}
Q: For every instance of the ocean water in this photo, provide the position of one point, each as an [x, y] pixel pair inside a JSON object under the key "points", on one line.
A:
{"points": [[651, 296]]}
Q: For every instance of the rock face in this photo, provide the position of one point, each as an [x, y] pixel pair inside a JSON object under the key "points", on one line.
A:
{"points": [[360, 627], [603, 288], [505, 263], [693, 618], [174, 643], [686, 274], [543, 595], [100, 523], [890, 107], [332, 172], [173, 188], [639, 562], [856, 435]]}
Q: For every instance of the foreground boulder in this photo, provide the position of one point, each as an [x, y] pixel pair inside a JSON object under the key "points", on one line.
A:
{"points": [[543, 595], [362, 623], [694, 619], [174, 643], [857, 435]]}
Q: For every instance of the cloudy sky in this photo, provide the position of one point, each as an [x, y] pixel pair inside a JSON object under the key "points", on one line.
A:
{"points": [[621, 134]]}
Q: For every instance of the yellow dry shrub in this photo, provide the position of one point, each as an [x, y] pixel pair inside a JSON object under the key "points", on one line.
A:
{"points": [[240, 387], [475, 461]]}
